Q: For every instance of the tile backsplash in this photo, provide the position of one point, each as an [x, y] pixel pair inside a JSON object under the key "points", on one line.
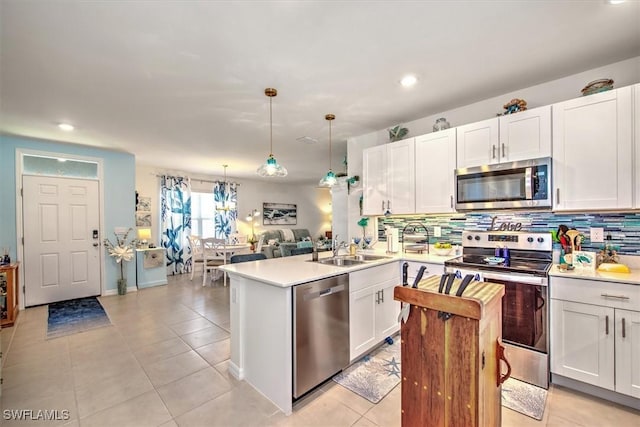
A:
{"points": [[624, 228]]}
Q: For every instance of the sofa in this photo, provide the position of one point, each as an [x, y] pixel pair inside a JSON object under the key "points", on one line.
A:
{"points": [[278, 242]]}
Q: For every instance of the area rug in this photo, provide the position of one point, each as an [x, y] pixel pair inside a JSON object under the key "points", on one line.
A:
{"points": [[375, 375], [76, 315], [524, 398]]}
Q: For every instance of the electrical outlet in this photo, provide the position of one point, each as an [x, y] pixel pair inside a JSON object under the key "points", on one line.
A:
{"points": [[437, 231], [596, 234]]}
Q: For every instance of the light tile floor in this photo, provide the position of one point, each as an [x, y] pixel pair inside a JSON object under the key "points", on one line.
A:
{"points": [[164, 363]]}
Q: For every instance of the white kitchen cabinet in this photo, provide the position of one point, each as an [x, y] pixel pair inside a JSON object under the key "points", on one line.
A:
{"points": [[595, 333], [519, 136], [435, 164], [373, 313], [592, 152], [628, 352], [389, 178], [636, 138], [582, 344], [477, 143]]}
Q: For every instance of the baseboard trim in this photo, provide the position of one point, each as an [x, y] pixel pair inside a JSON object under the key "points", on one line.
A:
{"points": [[235, 371], [110, 292], [602, 393]]}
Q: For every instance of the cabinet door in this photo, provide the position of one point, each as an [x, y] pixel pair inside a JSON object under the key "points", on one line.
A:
{"points": [[592, 152], [525, 135], [435, 165], [477, 143], [582, 342], [628, 352], [401, 177], [362, 333], [636, 114], [374, 180], [387, 310]]}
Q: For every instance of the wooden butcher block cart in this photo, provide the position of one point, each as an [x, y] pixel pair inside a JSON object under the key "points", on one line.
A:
{"points": [[451, 352]]}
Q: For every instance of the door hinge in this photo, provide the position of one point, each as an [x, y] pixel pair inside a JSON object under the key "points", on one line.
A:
{"points": [[21, 192], [483, 360], [22, 241], [23, 291]]}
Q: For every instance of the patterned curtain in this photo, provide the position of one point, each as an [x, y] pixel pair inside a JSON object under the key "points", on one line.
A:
{"points": [[225, 195], [175, 199]]}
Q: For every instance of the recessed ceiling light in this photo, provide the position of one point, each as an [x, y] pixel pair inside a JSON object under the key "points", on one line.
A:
{"points": [[66, 127], [614, 1], [408, 81]]}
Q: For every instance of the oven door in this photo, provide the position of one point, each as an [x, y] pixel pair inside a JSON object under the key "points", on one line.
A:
{"points": [[524, 310]]}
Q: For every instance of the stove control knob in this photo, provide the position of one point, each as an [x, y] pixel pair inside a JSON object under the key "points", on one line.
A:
{"points": [[540, 239], [477, 237], [469, 237], [530, 239]]}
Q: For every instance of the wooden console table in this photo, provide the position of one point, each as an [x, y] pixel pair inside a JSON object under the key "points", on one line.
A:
{"points": [[451, 363], [9, 294]]}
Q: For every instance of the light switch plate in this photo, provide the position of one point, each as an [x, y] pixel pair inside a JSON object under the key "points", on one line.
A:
{"points": [[437, 231], [596, 234]]}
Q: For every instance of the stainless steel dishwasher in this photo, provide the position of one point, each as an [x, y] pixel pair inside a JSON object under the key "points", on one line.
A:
{"points": [[320, 331]]}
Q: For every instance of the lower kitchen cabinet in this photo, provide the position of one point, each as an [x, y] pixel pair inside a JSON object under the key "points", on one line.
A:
{"points": [[595, 333], [373, 313]]}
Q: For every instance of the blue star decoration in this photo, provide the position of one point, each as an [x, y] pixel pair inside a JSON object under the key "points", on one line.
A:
{"points": [[392, 367]]}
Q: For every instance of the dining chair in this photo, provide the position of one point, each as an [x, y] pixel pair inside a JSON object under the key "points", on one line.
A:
{"points": [[247, 257], [214, 255], [195, 243], [300, 251]]}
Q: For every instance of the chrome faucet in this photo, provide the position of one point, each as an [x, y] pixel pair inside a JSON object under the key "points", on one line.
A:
{"points": [[337, 246]]}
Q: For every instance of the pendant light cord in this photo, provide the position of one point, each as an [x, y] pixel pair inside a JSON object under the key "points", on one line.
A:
{"points": [[270, 127], [329, 144]]}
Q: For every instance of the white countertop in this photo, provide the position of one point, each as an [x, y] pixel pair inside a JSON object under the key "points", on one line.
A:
{"points": [[294, 270], [632, 278]]}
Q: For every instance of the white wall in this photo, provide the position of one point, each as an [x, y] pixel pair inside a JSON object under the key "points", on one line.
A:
{"points": [[314, 204], [624, 73]]}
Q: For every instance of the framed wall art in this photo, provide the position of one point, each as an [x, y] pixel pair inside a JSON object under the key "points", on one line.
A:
{"points": [[279, 214]]}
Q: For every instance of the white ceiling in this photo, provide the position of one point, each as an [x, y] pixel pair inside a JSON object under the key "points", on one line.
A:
{"points": [[181, 83]]}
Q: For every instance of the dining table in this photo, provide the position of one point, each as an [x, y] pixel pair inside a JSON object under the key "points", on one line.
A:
{"points": [[217, 249]]}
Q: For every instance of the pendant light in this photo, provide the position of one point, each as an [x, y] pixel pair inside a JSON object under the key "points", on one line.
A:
{"points": [[271, 167], [329, 180], [226, 204]]}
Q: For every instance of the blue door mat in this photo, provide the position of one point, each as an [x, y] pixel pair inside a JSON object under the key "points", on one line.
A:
{"points": [[77, 315]]}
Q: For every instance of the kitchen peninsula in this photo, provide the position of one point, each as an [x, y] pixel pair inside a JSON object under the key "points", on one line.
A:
{"points": [[262, 313]]}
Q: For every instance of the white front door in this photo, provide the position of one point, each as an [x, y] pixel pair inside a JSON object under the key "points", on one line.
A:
{"points": [[61, 239]]}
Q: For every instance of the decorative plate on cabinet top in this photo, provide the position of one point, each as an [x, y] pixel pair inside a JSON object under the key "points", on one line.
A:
{"points": [[600, 85]]}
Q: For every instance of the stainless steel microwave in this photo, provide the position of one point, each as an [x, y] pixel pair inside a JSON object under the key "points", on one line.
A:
{"points": [[516, 185]]}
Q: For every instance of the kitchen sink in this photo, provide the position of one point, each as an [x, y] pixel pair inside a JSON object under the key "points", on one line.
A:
{"points": [[341, 261], [347, 260]]}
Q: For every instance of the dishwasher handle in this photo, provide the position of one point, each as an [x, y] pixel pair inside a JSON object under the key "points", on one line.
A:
{"points": [[311, 295]]}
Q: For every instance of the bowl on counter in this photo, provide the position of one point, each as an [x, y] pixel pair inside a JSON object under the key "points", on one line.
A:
{"points": [[442, 251]]}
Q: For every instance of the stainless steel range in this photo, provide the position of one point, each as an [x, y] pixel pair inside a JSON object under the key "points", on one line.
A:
{"points": [[520, 261]]}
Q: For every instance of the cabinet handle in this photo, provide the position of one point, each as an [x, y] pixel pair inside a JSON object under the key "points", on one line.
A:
{"points": [[606, 325], [389, 205], [557, 195], [622, 297], [383, 206], [378, 297], [624, 329], [382, 297], [451, 197], [503, 155], [493, 151]]}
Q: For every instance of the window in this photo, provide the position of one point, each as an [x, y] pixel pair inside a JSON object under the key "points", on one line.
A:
{"points": [[202, 213]]}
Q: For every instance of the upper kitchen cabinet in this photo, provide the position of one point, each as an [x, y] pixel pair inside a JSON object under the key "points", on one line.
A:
{"points": [[636, 138], [435, 164], [518, 136], [592, 152], [388, 178]]}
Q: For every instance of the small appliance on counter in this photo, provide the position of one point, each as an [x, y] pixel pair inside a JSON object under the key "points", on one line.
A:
{"points": [[392, 239]]}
